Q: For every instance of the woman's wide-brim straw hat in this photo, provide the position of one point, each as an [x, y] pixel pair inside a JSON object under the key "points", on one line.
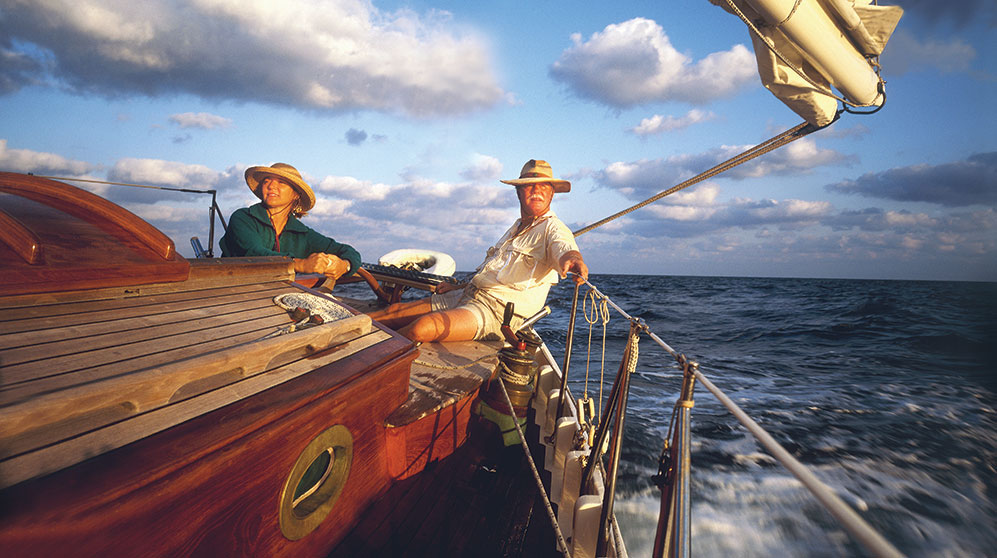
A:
{"points": [[536, 171], [254, 175]]}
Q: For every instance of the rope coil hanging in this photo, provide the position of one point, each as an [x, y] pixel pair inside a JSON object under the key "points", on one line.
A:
{"points": [[599, 313]]}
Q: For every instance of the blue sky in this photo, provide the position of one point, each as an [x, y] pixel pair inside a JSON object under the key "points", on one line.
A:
{"points": [[404, 115]]}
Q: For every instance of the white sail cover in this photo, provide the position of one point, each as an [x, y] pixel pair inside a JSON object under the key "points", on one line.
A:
{"points": [[828, 41]]}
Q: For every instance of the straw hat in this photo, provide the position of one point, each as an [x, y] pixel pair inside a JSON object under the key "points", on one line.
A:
{"points": [[536, 170], [254, 175]]}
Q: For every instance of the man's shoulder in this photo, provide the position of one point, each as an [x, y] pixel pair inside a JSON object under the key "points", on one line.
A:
{"points": [[554, 224]]}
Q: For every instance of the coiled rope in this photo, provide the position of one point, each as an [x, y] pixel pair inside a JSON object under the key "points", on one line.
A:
{"points": [[600, 313]]}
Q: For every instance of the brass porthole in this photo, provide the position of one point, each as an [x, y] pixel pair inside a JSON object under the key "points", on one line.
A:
{"points": [[316, 481]]}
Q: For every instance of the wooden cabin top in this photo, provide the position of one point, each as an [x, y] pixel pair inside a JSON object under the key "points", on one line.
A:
{"points": [[56, 237]]}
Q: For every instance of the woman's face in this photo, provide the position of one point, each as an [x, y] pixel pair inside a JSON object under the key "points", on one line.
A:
{"points": [[277, 193]]}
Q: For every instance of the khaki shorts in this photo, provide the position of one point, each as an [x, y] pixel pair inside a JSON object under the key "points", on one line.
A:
{"points": [[488, 310]]}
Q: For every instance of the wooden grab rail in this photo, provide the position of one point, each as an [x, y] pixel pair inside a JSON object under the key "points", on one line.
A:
{"points": [[21, 240]]}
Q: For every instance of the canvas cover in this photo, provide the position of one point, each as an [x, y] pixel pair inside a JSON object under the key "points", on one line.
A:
{"points": [[866, 27]]}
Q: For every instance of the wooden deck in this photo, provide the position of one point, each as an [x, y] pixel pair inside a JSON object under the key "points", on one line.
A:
{"points": [[82, 377]]}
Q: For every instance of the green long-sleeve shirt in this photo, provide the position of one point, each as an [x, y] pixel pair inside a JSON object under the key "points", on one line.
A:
{"points": [[250, 233]]}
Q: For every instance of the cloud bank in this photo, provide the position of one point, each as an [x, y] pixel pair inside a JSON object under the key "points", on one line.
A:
{"points": [[906, 53], [331, 56], [634, 62], [959, 184], [26, 160]]}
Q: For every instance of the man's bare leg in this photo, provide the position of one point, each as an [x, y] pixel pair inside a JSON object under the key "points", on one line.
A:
{"points": [[456, 324], [402, 313]]}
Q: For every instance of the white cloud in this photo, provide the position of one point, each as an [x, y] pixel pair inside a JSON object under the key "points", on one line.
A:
{"points": [[349, 188], [634, 62], [328, 56], [483, 168], [658, 123], [160, 172], [25, 160], [905, 219], [203, 120]]}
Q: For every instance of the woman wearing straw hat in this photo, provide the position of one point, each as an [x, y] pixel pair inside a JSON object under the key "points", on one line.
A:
{"points": [[272, 227], [520, 268]]}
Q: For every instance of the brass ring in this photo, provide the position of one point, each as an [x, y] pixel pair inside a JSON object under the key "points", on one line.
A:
{"points": [[315, 482]]}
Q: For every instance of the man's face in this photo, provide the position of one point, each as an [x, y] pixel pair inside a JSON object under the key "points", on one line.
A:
{"points": [[534, 199]]}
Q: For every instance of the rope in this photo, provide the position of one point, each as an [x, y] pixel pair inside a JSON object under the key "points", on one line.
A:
{"points": [[851, 521], [455, 367], [508, 374], [771, 144], [562, 546], [602, 314], [791, 12]]}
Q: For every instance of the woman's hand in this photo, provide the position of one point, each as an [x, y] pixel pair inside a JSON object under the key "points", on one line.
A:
{"points": [[329, 265], [336, 267]]}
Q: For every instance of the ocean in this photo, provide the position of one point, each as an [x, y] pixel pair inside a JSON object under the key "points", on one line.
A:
{"points": [[884, 389]]}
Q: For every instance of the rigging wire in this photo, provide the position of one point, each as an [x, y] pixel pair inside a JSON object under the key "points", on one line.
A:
{"points": [[766, 146], [93, 181]]}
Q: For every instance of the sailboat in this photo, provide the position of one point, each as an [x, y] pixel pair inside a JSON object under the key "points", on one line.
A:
{"points": [[154, 405]]}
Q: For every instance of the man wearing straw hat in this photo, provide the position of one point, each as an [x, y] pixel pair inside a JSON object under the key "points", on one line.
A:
{"points": [[520, 268], [272, 227]]}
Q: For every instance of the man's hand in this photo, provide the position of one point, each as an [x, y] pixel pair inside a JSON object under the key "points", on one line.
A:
{"points": [[446, 287], [573, 262]]}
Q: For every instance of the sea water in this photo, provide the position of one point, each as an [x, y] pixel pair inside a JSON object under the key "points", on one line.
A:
{"points": [[884, 389]]}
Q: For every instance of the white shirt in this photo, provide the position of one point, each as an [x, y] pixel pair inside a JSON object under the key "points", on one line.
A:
{"points": [[521, 268]]}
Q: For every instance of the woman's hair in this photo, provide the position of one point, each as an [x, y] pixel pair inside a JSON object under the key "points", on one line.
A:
{"points": [[296, 207]]}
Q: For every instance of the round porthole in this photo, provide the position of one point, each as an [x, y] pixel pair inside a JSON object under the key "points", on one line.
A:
{"points": [[316, 481]]}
